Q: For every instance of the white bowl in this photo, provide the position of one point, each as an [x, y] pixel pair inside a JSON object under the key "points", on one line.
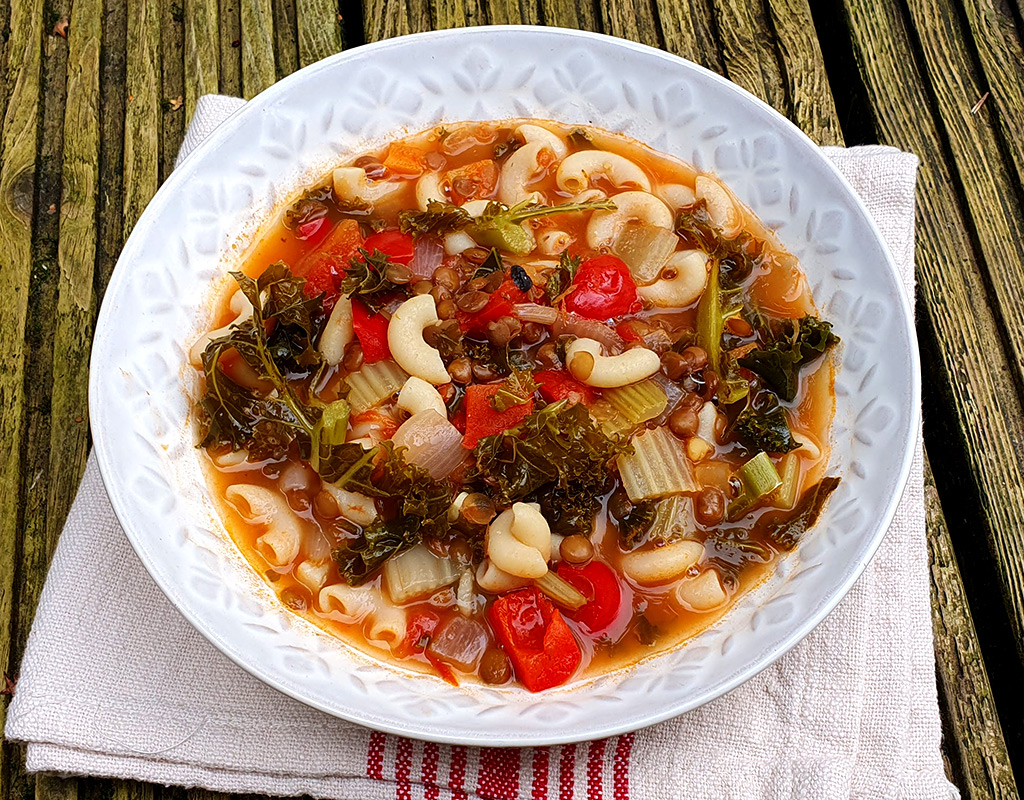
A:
{"points": [[214, 205]]}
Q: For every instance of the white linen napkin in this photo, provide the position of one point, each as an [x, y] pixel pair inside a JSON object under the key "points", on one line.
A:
{"points": [[115, 682]]}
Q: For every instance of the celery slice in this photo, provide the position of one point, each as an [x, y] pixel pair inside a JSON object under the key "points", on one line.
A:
{"points": [[758, 478], [638, 402], [789, 471], [373, 384], [656, 468], [561, 591], [417, 573]]}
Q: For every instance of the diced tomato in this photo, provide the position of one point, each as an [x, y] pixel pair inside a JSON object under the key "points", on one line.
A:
{"points": [[482, 420], [536, 638], [372, 332], [628, 332], [459, 419], [603, 288], [558, 384], [500, 304], [314, 231], [418, 630], [474, 181], [604, 594], [404, 159], [397, 246], [324, 267]]}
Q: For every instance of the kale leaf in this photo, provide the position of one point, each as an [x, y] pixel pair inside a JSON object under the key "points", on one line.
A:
{"points": [[762, 425], [556, 456], [791, 344], [634, 526], [417, 506], [788, 532], [439, 219], [366, 276], [737, 257], [561, 279]]}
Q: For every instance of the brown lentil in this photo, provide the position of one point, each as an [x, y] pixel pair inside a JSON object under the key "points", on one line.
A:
{"points": [[547, 356], [475, 255], [502, 331], [446, 309], [472, 302], [422, 287], [447, 277], [710, 506], [461, 370], [477, 509], [353, 358], [673, 365], [576, 549], [495, 667], [533, 332], [484, 373], [683, 422], [325, 505], [398, 273]]}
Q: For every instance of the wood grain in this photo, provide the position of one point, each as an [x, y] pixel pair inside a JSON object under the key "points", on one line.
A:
{"points": [[631, 19], [953, 284], [808, 95], [688, 30], [383, 19], [230, 48], [981, 762], [319, 30], [54, 787], [172, 83], [258, 67], [18, 151], [142, 110], [202, 52], [286, 36], [578, 16]]}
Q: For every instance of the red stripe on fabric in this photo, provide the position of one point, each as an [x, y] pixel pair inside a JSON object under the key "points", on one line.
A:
{"points": [[403, 766], [431, 755], [457, 773], [498, 775], [595, 770], [375, 756], [620, 767], [567, 773], [541, 767]]}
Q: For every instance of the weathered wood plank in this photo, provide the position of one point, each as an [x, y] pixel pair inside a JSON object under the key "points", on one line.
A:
{"points": [[142, 110], [132, 790], [230, 48], [18, 151], [319, 30], [687, 29], [982, 765], [989, 187], [383, 19], [113, 96], [258, 68], [809, 96], [286, 37], [202, 52], [457, 13], [975, 370], [512, 12], [172, 81], [631, 19], [54, 787], [1001, 52], [577, 16], [747, 51]]}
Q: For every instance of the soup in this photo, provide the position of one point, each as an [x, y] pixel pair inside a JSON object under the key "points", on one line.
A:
{"points": [[517, 402]]}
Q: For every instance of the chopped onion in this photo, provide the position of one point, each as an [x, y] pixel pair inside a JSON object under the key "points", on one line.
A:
{"points": [[417, 573], [428, 253], [432, 442], [461, 642], [656, 468], [465, 594], [583, 328], [534, 312], [645, 249], [672, 392]]}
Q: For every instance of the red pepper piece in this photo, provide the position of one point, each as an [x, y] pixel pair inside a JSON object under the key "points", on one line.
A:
{"points": [[372, 332], [558, 384], [324, 267], [385, 424], [482, 420], [604, 594], [536, 638], [397, 246], [499, 305], [603, 288], [418, 630], [628, 332], [314, 231]]}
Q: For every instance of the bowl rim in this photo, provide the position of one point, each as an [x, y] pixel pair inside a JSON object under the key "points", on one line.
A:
{"points": [[249, 111]]}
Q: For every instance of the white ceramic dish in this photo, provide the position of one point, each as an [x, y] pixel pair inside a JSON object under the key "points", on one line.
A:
{"points": [[212, 207]]}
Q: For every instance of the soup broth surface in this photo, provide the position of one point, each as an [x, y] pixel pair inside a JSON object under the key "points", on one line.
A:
{"points": [[608, 423]]}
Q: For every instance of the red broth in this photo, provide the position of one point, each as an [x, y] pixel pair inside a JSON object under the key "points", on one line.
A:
{"points": [[471, 161]]}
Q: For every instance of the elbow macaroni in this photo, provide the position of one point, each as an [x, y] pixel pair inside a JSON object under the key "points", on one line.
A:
{"points": [[683, 281], [606, 226], [405, 339], [578, 170], [660, 564], [518, 541], [280, 544], [418, 395], [338, 332], [584, 360]]}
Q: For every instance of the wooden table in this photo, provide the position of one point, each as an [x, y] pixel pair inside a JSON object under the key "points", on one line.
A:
{"points": [[93, 116]]}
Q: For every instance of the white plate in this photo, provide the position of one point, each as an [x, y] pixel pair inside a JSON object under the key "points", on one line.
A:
{"points": [[212, 207]]}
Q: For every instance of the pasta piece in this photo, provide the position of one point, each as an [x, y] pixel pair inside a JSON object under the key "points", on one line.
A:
{"points": [[347, 603], [355, 507], [280, 544], [338, 332], [241, 308], [386, 625], [703, 593], [659, 564], [313, 575]]}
